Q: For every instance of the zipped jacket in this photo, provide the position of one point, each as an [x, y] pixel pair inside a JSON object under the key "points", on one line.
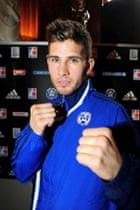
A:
{"points": [[62, 183]]}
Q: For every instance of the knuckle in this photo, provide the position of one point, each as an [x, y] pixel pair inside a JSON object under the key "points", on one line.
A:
{"points": [[108, 132]]}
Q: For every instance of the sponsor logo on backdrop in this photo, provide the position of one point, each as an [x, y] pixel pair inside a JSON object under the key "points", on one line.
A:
{"points": [[20, 114], [11, 173], [136, 74], [113, 55], [114, 74], [15, 52], [15, 132], [2, 72], [19, 72], [129, 96], [3, 113], [33, 52], [135, 114], [1, 135], [32, 93], [3, 151], [40, 72], [133, 54], [110, 92], [13, 95], [51, 93]]}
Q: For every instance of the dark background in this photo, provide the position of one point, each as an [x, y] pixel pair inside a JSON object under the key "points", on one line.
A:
{"points": [[116, 22], [120, 22]]}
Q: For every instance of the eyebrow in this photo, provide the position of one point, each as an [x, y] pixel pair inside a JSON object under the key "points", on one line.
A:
{"points": [[71, 56]]}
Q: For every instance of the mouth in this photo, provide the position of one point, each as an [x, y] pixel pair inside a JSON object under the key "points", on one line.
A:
{"points": [[63, 83]]}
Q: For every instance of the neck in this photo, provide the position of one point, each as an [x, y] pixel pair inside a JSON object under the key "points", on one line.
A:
{"points": [[72, 99]]}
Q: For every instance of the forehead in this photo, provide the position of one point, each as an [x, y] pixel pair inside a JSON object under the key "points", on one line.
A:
{"points": [[66, 47]]}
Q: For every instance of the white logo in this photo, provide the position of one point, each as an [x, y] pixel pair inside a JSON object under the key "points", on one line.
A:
{"points": [[13, 95], [129, 96], [1, 135], [15, 132], [133, 54], [84, 118], [110, 92], [51, 93], [20, 114]]}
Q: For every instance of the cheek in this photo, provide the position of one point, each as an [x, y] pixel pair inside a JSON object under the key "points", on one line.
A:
{"points": [[52, 71], [79, 78]]}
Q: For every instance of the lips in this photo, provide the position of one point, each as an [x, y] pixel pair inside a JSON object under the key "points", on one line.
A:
{"points": [[63, 83]]}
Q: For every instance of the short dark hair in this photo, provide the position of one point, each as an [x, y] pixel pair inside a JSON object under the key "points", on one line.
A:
{"points": [[61, 30]]}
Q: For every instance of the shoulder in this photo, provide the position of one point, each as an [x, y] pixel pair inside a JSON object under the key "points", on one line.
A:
{"points": [[105, 103], [102, 98]]}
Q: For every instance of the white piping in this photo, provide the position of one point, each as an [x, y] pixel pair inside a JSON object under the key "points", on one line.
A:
{"points": [[36, 190], [81, 99]]}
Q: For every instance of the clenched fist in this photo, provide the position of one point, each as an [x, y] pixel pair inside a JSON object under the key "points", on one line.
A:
{"points": [[41, 115], [98, 151]]}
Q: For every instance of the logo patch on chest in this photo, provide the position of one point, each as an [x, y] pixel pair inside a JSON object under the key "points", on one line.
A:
{"points": [[84, 118]]}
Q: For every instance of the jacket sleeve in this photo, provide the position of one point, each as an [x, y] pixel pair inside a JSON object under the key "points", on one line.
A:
{"points": [[124, 190], [28, 154]]}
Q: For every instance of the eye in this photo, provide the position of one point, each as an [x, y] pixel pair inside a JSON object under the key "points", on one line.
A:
{"points": [[74, 60], [53, 59]]}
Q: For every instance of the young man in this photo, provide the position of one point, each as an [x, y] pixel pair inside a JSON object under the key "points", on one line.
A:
{"points": [[93, 161]]}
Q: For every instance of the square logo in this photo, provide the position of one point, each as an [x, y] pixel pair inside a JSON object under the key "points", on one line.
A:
{"points": [[15, 52], [33, 52], [32, 93]]}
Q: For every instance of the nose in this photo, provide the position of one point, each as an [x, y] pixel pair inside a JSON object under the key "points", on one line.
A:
{"points": [[63, 69]]}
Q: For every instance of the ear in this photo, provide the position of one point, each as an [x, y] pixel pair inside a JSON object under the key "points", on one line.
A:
{"points": [[90, 70]]}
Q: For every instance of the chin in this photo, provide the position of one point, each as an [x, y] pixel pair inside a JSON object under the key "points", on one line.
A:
{"points": [[64, 92]]}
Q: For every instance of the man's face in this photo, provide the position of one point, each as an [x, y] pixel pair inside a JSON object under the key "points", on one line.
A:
{"points": [[67, 66]]}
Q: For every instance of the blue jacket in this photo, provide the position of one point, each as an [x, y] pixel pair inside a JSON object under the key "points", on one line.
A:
{"points": [[60, 182]]}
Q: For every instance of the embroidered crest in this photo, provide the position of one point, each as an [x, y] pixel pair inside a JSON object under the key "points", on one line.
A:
{"points": [[84, 118]]}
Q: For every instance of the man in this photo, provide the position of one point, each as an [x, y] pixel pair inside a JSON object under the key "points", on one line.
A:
{"points": [[93, 160]]}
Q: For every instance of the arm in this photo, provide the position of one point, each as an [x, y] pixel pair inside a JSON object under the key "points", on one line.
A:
{"points": [[124, 189], [114, 155], [28, 154], [31, 145]]}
